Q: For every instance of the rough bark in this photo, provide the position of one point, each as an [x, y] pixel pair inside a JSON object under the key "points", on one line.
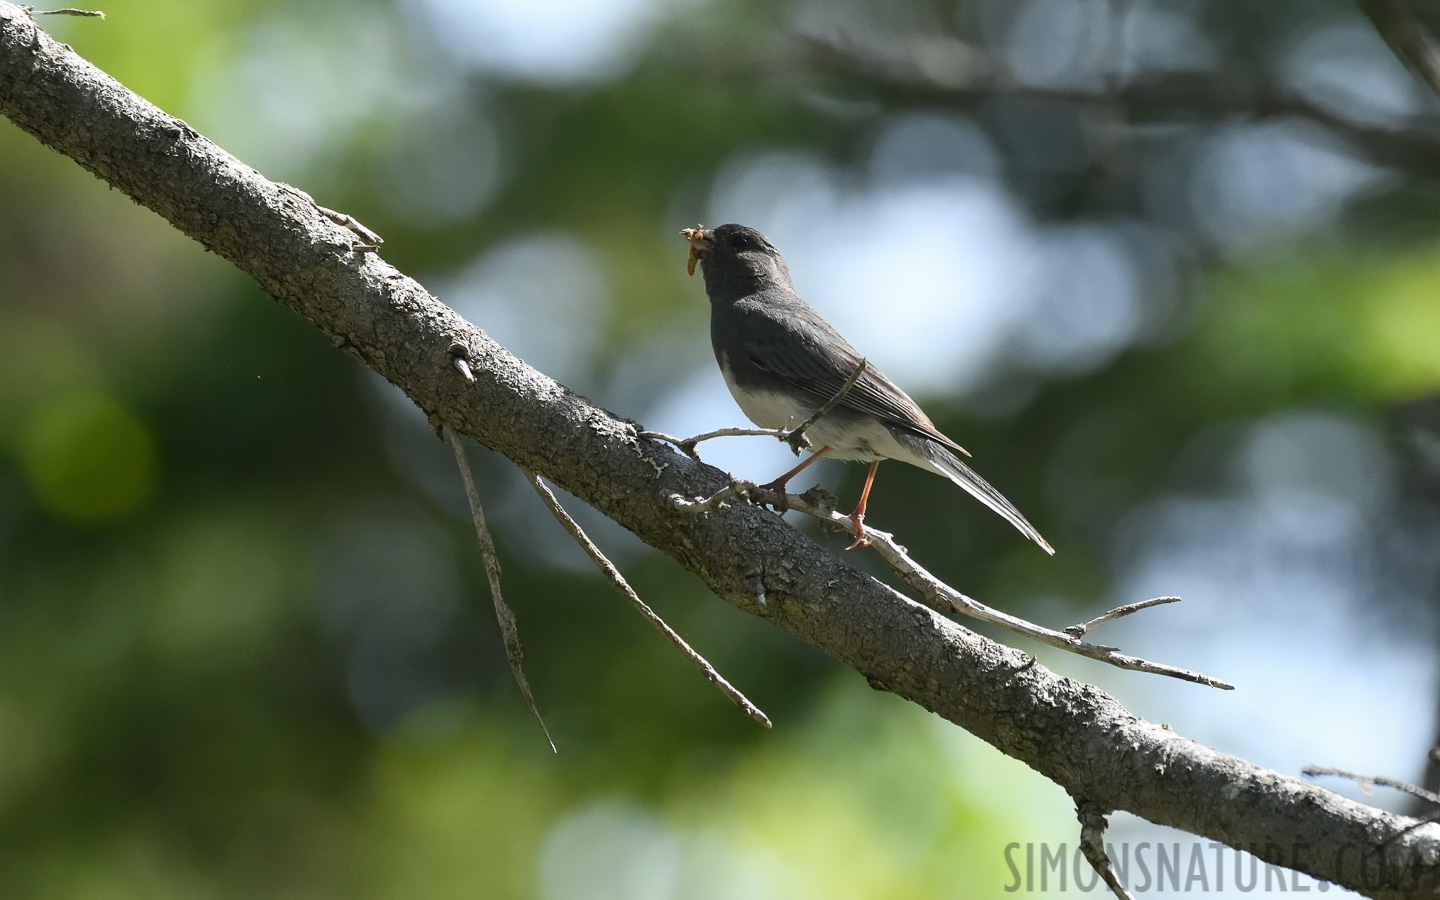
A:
{"points": [[1070, 732]]}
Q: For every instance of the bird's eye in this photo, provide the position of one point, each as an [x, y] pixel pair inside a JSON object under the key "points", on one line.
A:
{"points": [[741, 242]]}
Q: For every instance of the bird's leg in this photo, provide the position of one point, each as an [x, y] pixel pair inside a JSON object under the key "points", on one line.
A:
{"points": [[858, 516], [778, 485]]}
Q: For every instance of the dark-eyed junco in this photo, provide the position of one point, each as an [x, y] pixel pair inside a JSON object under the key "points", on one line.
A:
{"points": [[783, 362]]}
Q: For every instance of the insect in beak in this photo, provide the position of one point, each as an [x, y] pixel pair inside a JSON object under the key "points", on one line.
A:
{"points": [[699, 240]]}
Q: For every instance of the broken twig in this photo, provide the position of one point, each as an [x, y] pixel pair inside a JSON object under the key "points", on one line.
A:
{"points": [[1092, 844], [508, 628], [1078, 631], [86, 13]]}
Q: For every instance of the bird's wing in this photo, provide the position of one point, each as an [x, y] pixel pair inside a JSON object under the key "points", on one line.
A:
{"points": [[821, 370]]}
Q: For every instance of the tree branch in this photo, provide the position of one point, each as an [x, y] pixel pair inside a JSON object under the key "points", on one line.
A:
{"points": [[1070, 732]]}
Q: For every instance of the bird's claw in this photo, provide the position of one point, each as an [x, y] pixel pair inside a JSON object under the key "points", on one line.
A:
{"points": [[860, 539]]}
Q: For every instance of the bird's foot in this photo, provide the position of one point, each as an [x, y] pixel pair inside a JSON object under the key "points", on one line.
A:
{"points": [[858, 517]]}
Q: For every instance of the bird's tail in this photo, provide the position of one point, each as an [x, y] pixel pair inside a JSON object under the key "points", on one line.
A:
{"points": [[951, 467]]}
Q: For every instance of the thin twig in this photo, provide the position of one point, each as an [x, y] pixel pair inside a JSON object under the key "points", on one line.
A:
{"points": [[88, 13], [1363, 780], [1078, 631], [618, 581], [508, 628], [679, 443], [1092, 844], [946, 599], [1406, 37], [792, 436], [687, 445]]}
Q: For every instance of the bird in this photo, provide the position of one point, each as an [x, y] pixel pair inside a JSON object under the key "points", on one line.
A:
{"points": [[783, 363]]}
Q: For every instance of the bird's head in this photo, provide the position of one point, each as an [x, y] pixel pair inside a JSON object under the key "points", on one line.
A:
{"points": [[735, 258]]}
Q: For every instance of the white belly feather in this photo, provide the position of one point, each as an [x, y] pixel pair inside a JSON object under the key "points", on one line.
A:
{"points": [[765, 408]]}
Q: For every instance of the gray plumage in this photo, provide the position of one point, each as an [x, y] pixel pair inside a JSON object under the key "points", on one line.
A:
{"points": [[782, 362]]}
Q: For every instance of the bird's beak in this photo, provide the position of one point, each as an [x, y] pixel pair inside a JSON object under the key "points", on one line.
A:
{"points": [[701, 240]]}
